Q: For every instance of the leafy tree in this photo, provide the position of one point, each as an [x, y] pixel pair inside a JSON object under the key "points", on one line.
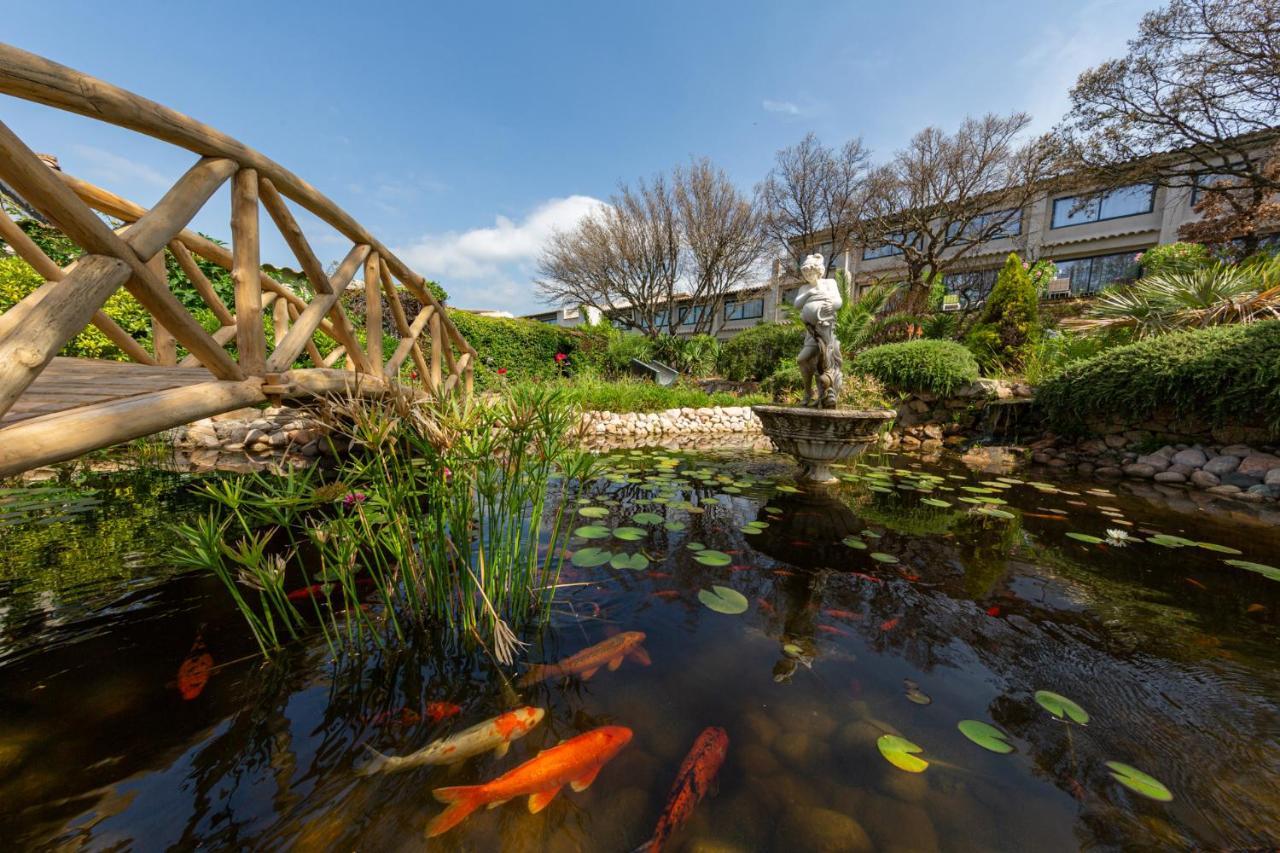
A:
{"points": [[1010, 319]]}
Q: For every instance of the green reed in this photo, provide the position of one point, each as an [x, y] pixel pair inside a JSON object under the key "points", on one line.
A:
{"points": [[439, 515]]}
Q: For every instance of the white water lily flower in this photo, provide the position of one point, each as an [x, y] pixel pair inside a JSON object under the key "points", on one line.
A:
{"points": [[1118, 537]]}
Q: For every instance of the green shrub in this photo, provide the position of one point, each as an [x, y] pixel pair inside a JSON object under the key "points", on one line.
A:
{"points": [[939, 367], [694, 355], [1174, 258], [613, 349], [1223, 374], [521, 349], [1010, 319], [860, 391], [640, 395], [755, 353], [1050, 355]]}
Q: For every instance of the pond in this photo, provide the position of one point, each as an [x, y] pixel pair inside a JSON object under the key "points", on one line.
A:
{"points": [[908, 599]]}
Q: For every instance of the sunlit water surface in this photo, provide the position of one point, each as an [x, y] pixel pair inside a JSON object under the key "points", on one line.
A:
{"points": [[979, 603]]}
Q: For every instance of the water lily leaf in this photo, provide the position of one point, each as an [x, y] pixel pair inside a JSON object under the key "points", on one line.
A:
{"points": [[634, 562], [870, 532], [994, 512], [792, 650], [985, 735], [882, 557], [916, 695], [1061, 707], [1166, 540], [854, 542], [1269, 572], [593, 512], [713, 558], [723, 599], [674, 526], [761, 524], [1084, 537], [1221, 549], [588, 558], [647, 518], [978, 490], [938, 502], [752, 531], [695, 546], [898, 751], [791, 490], [629, 534], [1138, 782], [881, 489], [592, 531]]}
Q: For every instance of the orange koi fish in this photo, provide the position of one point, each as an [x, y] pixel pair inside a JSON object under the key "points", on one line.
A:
{"points": [[496, 734], [841, 614], [588, 661], [576, 763], [696, 772], [666, 593], [832, 629], [195, 669]]}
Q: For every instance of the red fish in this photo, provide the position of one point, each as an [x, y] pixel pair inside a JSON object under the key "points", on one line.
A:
{"points": [[832, 629], [696, 772], [1195, 583], [588, 661], [1045, 516], [576, 763], [660, 575], [841, 614], [889, 624], [783, 573], [195, 669], [313, 591], [993, 611], [738, 567], [866, 577], [666, 593]]}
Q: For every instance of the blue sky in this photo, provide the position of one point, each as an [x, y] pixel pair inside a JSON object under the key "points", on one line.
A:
{"points": [[463, 134]]}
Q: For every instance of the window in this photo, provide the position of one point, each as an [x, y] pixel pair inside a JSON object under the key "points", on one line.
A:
{"points": [[751, 309], [1205, 180], [1126, 201], [691, 315], [972, 286], [1089, 275], [996, 224]]}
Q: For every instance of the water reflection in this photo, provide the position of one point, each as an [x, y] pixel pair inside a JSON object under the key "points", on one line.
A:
{"points": [[1172, 652]]}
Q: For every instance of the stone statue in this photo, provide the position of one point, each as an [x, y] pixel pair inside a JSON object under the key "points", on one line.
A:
{"points": [[818, 301]]}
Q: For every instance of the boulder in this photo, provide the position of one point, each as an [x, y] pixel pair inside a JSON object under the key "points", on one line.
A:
{"points": [[1223, 464], [1140, 470], [1157, 461], [1243, 481], [1273, 477], [1170, 477], [1265, 491], [1115, 441], [1192, 456], [1107, 471], [1240, 450], [823, 830], [1204, 479], [1224, 490], [1258, 464]]}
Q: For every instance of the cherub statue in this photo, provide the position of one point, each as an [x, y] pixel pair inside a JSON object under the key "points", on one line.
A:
{"points": [[818, 301]]}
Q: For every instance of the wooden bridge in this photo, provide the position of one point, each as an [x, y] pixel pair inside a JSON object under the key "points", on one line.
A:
{"points": [[54, 408]]}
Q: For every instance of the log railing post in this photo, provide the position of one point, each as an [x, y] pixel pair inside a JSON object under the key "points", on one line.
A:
{"points": [[373, 314], [250, 340], [163, 342], [436, 342]]}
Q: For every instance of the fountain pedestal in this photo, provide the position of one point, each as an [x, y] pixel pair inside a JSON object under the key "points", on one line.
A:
{"points": [[820, 438]]}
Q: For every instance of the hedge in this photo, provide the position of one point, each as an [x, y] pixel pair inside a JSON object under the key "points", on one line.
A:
{"points": [[939, 367], [524, 349], [1223, 375], [754, 354]]}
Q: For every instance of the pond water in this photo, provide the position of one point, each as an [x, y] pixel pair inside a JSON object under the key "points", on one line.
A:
{"points": [[909, 598]]}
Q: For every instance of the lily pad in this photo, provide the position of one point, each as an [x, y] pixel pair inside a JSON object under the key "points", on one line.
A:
{"points": [[592, 531], [899, 752], [994, 512], [588, 558], [709, 557], [1269, 572], [1221, 549], [723, 599], [1138, 782], [882, 557], [647, 518], [938, 502], [985, 735], [1061, 707], [634, 562], [791, 490], [1166, 540], [854, 542], [674, 526], [628, 534], [593, 512], [1083, 537], [695, 546]]}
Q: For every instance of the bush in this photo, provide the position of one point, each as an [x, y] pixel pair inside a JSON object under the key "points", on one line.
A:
{"points": [[695, 355], [1050, 355], [860, 391], [1224, 374], [1010, 319], [1174, 258], [755, 353], [522, 349], [939, 367], [640, 395]]}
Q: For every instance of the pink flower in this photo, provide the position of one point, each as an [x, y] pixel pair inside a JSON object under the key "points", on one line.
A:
{"points": [[354, 498], [561, 356], [448, 473], [502, 371]]}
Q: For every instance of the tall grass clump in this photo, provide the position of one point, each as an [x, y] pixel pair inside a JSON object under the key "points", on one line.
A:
{"points": [[443, 514]]}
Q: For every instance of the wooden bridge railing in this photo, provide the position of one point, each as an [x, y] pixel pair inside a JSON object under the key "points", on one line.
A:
{"points": [[33, 331]]}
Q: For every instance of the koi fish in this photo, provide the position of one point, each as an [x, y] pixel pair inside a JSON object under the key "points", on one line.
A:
{"points": [[866, 577], [576, 763], [588, 661], [696, 772], [841, 614], [1045, 516], [195, 669], [832, 629], [660, 575], [496, 734], [993, 610], [783, 573], [666, 593], [889, 624]]}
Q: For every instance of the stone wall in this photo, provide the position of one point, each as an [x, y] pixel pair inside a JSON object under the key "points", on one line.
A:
{"points": [[714, 419], [930, 421]]}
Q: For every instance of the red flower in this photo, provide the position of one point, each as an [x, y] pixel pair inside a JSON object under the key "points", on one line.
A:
{"points": [[561, 356], [502, 371]]}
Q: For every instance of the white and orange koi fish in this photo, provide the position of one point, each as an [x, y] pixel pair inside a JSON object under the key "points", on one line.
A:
{"points": [[496, 734]]}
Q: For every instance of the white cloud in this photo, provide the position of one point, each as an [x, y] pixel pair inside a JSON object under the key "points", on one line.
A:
{"points": [[784, 107], [494, 267], [111, 168]]}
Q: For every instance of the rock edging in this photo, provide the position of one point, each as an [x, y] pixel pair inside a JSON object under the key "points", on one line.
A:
{"points": [[685, 421]]}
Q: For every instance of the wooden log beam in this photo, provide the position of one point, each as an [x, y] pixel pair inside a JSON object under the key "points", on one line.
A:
{"points": [[409, 339], [67, 434], [287, 350], [38, 186], [313, 353], [163, 342], [332, 358], [372, 311], [437, 345], [63, 311], [178, 206], [246, 262], [342, 331], [200, 281], [279, 211]]}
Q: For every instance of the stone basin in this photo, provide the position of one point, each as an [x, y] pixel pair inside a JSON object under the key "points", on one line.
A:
{"points": [[820, 438]]}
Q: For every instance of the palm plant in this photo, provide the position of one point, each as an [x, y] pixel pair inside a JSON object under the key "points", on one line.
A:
{"points": [[1187, 298]]}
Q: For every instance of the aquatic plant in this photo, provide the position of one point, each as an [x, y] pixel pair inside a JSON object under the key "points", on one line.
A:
{"points": [[440, 515]]}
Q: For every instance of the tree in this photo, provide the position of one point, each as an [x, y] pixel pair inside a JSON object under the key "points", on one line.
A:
{"points": [[722, 235], [945, 195], [1195, 101], [1010, 318], [627, 253], [813, 197]]}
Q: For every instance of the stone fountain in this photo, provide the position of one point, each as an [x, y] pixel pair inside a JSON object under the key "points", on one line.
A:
{"points": [[817, 433]]}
